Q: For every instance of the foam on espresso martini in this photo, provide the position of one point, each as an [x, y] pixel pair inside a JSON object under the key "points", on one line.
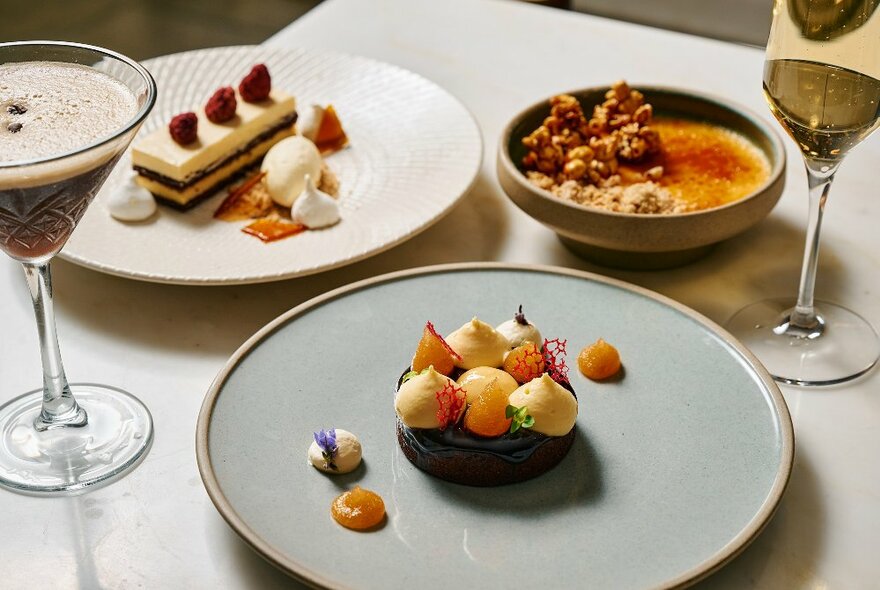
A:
{"points": [[47, 110]]}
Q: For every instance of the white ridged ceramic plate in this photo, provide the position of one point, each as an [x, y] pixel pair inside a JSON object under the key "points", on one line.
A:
{"points": [[415, 151], [675, 468]]}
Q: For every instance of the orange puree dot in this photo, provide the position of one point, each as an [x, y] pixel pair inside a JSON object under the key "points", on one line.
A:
{"points": [[599, 360], [358, 509], [486, 416]]}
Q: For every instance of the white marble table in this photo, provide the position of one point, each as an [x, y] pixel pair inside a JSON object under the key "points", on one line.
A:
{"points": [[156, 528]]}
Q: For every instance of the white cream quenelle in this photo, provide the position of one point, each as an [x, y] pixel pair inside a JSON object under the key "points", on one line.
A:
{"points": [[519, 330], [416, 401], [309, 121], [346, 458], [131, 202], [314, 208], [286, 166], [479, 345], [552, 406]]}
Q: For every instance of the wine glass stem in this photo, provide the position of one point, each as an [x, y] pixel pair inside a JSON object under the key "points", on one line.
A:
{"points": [[59, 406], [820, 175]]}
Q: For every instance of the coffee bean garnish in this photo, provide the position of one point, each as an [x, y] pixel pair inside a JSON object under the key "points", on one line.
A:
{"points": [[16, 109], [14, 127]]}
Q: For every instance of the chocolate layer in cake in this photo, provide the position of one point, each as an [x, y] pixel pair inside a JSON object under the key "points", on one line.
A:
{"points": [[270, 137]]}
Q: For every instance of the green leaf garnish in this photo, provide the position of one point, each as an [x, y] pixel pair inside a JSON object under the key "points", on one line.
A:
{"points": [[412, 374], [519, 418], [328, 460]]}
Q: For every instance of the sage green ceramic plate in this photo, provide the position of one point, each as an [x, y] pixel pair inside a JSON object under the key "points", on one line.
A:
{"points": [[676, 466]]}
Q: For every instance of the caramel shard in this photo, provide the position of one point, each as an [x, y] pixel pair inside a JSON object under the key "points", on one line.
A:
{"points": [[331, 136]]}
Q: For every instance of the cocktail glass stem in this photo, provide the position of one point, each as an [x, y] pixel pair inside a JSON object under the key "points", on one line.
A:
{"points": [[59, 406]]}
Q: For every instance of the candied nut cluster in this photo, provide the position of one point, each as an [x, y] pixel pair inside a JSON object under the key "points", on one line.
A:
{"points": [[568, 146]]}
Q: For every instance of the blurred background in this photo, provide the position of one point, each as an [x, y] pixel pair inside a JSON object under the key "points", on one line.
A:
{"points": [[147, 28]]}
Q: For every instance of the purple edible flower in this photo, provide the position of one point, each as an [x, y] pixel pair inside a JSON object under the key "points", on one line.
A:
{"points": [[326, 440]]}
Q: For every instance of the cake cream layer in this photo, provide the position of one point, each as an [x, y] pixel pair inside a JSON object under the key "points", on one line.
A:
{"points": [[206, 184], [160, 154]]}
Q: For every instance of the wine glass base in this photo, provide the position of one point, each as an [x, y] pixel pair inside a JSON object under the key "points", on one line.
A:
{"points": [[117, 436], [842, 347]]}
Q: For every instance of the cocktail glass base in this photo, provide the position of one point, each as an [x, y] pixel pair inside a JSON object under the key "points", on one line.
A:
{"points": [[840, 347], [116, 438]]}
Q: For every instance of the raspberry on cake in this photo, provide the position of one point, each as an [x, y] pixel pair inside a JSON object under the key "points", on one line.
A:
{"points": [[233, 134], [487, 422]]}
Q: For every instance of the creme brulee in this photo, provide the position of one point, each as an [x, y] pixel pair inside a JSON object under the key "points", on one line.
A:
{"points": [[624, 160], [703, 164]]}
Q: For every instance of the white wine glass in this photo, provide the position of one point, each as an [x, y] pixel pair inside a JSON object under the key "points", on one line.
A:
{"points": [[67, 113], [822, 82]]}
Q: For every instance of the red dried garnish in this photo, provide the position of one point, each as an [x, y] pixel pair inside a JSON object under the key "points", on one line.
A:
{"points": [[221, 106], [554, 360], [448, 348], [527, 366], [256, 85], [184, 128], [451, 401]]}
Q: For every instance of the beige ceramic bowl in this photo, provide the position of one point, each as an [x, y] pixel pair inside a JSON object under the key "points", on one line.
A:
{"points": [[639, 241]]}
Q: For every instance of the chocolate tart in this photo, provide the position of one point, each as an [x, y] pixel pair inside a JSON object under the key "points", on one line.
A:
{"points": [[460, 457]]}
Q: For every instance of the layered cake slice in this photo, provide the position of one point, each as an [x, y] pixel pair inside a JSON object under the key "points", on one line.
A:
{"points": [[201, 152]]}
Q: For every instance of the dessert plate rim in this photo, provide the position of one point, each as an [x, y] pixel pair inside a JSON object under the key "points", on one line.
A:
{"points": [[464, 181], [306, 575]]}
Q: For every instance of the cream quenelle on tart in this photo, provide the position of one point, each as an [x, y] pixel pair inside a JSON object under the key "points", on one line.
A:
{"points": [[486, 406]]}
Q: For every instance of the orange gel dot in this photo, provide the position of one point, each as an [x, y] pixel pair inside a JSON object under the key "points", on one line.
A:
{"points": [[599, 360], [358, 509], [485, 417]]}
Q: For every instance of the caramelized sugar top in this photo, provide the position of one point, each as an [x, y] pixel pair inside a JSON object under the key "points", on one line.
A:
{"points": [[709, 165], [704, 164]]}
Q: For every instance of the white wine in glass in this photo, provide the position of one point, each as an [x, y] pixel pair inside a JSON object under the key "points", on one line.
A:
{"points": [[822, 82]]}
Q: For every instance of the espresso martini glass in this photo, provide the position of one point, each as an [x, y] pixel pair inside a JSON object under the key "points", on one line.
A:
{"points": [[68, 112]]}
